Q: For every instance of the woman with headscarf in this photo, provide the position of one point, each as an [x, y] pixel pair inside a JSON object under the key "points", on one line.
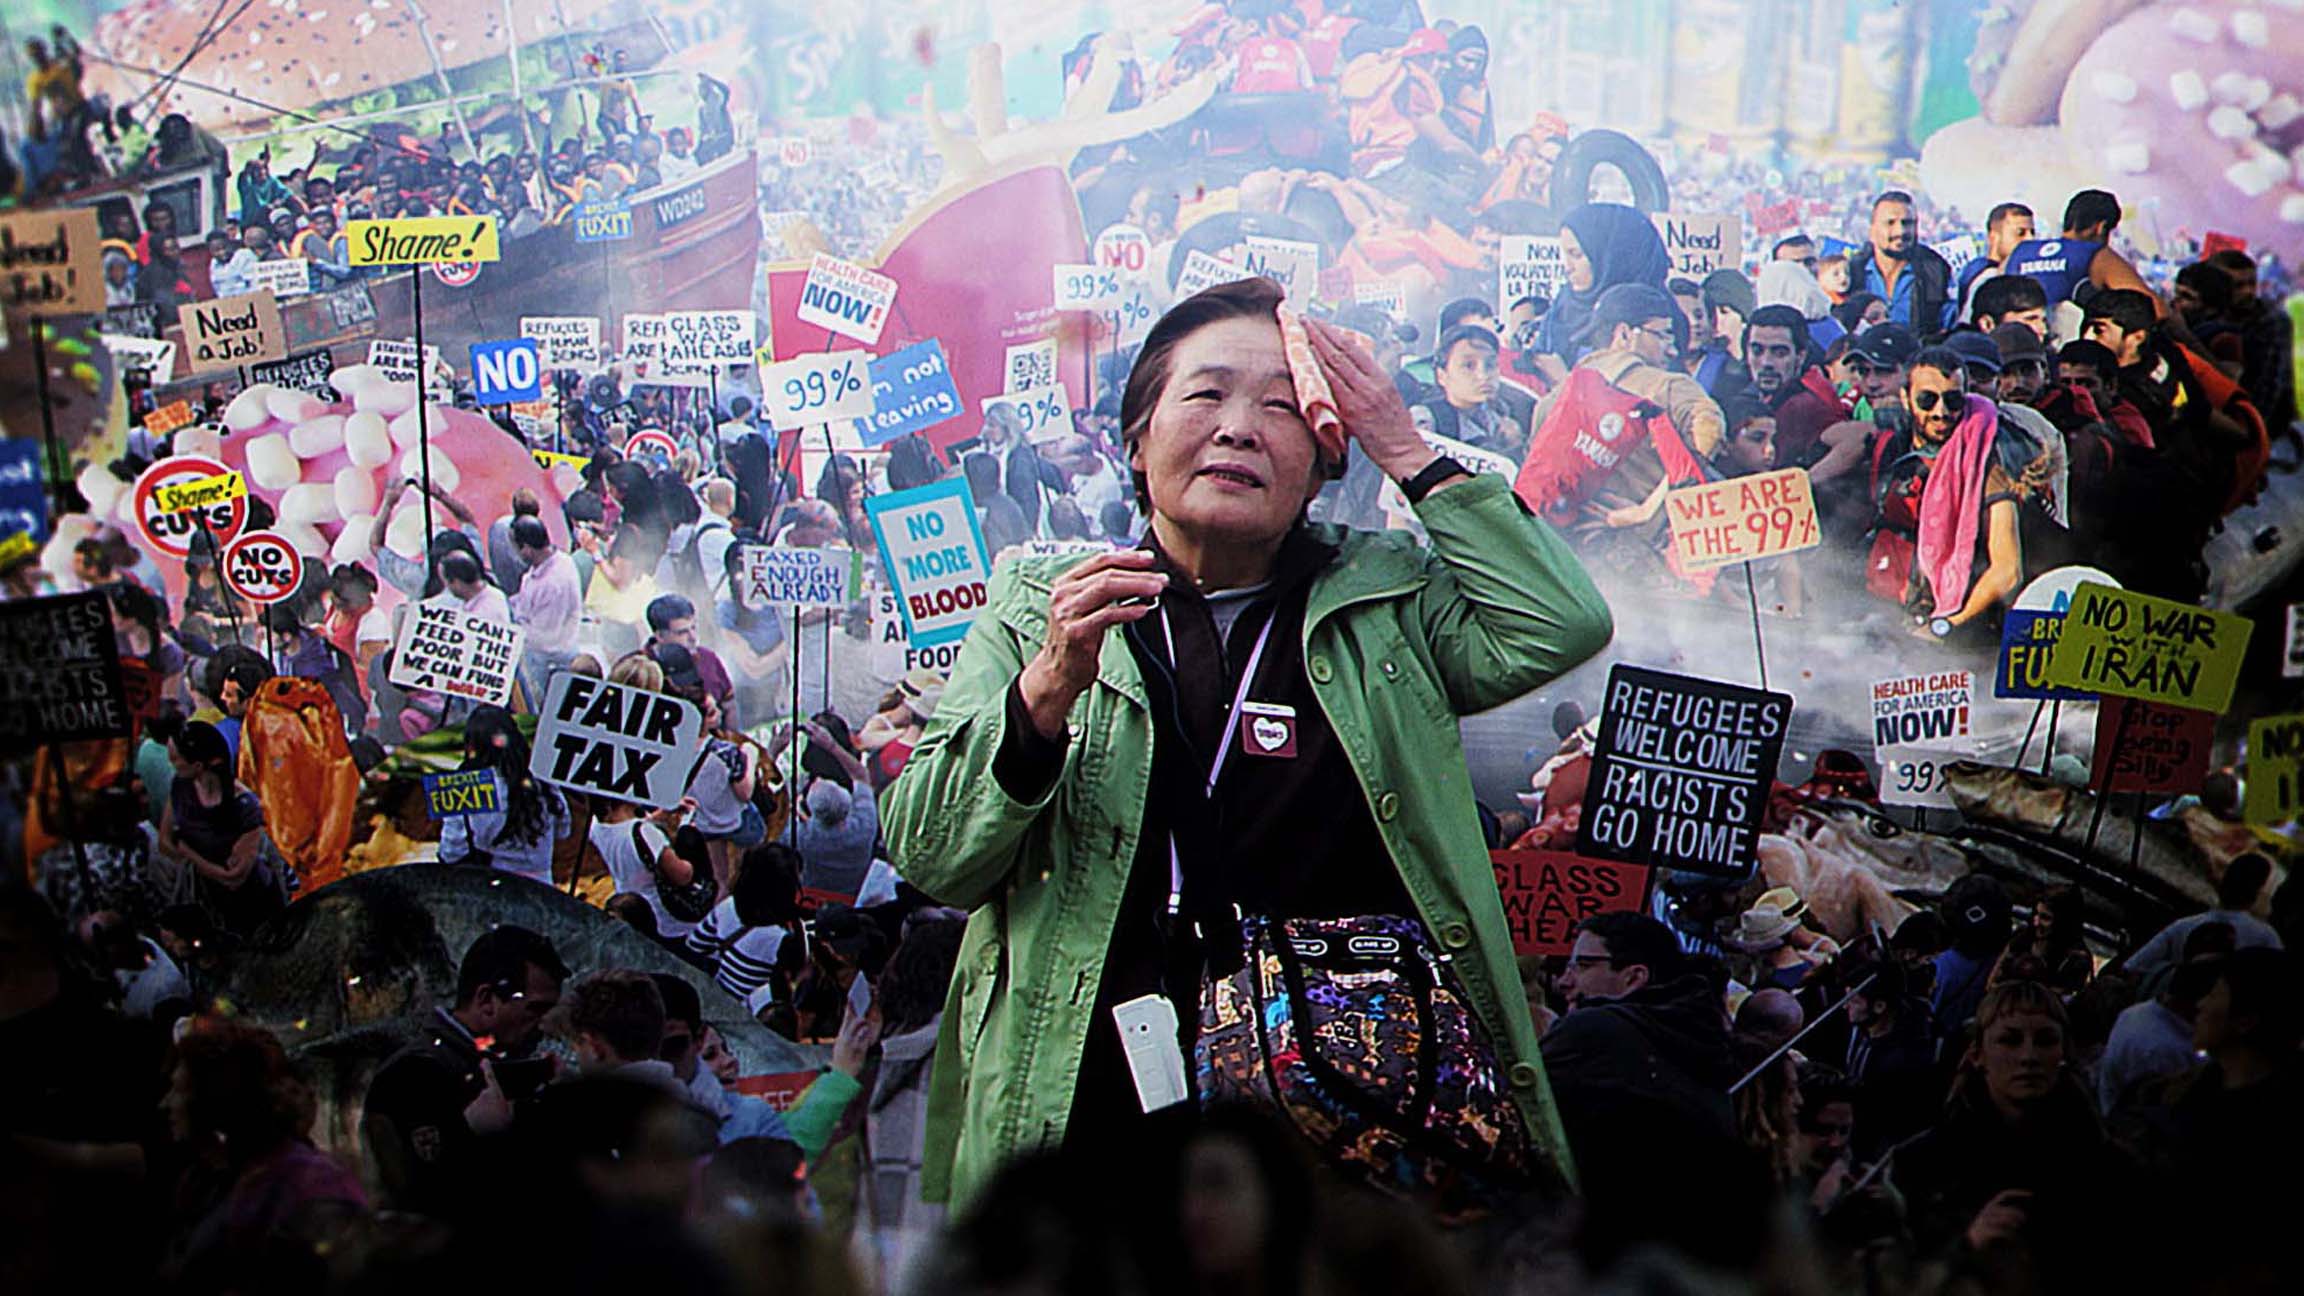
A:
{"points": [[1467, 108], [1602, 245]]}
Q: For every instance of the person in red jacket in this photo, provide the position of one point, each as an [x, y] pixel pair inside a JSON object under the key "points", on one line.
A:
{"points": [[1802, 400]]}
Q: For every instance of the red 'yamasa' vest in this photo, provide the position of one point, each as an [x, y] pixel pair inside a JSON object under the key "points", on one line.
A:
{"points": [[1584, 440]]}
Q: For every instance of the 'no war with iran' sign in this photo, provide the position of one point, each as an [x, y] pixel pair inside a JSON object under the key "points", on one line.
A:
{"points": [[604, 738], [934, 553]]}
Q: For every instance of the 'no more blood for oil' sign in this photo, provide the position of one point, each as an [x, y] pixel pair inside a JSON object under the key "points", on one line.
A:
{"points": [[1681, 773], [604, 738], [934, 554]]}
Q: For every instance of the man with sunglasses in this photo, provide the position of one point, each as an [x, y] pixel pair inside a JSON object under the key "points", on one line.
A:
{"points": [[417, 1121], [1949, 600]]}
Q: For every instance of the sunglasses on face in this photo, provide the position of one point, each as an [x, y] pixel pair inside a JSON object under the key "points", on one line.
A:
{"points": [[1926, 401]]}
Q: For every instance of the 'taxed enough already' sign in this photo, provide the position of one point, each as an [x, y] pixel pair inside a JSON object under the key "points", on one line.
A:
{"points": [[462, 654], [2125, 644], [1743, 518], [1547, 892], [423, 240], [609, 740], [776, 577], [934, 554], [1680, 778]]}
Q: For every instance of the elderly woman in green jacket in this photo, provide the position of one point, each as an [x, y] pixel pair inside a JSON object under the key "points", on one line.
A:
{"points": [[1176, 780]]}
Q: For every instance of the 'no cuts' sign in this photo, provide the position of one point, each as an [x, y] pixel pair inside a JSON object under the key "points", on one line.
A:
{"points": [[934, 553], [262, 567], [604, 738]]}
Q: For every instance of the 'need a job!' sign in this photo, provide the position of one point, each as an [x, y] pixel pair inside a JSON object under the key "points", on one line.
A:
{"points": [[934, 554]]}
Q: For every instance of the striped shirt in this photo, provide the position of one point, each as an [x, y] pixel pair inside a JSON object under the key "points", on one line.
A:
{"points": [[743, 958]]}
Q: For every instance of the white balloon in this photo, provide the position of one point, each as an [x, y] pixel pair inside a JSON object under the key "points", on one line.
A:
{"points": [[292, 406], [251, 408], [385, 397], [352, 542], [314, 437], [444, 474], [305, 537], [355, 490], [310, 503], [271, 463], [101, 487], [367, 442]]}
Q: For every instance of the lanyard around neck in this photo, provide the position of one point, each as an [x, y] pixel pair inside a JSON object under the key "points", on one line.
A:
{"points": [[1223, 745]]}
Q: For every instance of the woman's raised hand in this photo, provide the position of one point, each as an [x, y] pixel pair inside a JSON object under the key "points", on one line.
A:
{"points": [[1107, 590]]}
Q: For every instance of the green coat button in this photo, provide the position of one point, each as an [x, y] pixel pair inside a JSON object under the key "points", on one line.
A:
{"points": [[1321, 671], [1455, 935], [1523, 1075], [1388, 806]]}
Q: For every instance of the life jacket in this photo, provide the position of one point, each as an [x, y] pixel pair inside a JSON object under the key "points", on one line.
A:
{"points": [[1584, 440], [2230, 399]]}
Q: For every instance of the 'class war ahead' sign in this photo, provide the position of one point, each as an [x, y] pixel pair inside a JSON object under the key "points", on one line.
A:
{"points": [[1681, 774], [934, 554], [2124, 644], [604, 738]]}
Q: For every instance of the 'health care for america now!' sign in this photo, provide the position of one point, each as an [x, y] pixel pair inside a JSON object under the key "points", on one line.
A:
{"points": [[934, 555], [1680, 777]]}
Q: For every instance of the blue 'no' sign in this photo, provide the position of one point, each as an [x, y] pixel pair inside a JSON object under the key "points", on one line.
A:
{"points": [[507, 371]]}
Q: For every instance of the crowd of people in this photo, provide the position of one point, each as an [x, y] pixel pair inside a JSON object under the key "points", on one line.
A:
{"points": [[1995, 1092]]}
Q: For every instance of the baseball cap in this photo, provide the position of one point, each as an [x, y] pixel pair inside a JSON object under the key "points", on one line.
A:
{"points": [[1975, 349], [680, 669], [2018, 342], [1887, 344], [1631, 303]]}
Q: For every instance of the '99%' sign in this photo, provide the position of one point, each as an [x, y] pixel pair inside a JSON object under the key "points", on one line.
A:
{"points": [[934, 553]]}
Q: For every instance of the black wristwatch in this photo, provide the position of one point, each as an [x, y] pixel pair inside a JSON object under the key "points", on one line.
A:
{"points": [[1435, 472]]}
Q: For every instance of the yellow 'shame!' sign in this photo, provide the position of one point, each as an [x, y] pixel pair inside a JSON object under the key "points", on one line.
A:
{"points": [[423, 240], [200, 492]]}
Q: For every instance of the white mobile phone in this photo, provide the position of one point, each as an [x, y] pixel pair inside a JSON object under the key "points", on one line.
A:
{"points": [[1155, 1060]]}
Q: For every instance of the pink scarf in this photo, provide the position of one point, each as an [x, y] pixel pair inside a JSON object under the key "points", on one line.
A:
{"points": [[1952, 506]]}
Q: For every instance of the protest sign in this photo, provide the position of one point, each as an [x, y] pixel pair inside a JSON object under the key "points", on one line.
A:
{"points": [[2292, 656], [644, 337], [1528, 266], [2027, 644], [1035, 411], [423, 240], [461, 792], [287, 277], [652, 441], [1547, 892], [23, 491], [794, 150], [50, 261], [823, 388], [136, 320], [912, 391], [199, 492], [2160, 748], [1914, 777], [566, 341], [1124, 248], [447, 650], [1292, 264], [2275, 770], [1743, 518], [847, 299], [933, 552], [603, 222], [785, 578], [1085, 287], [397, 360], [1700, 244], [1680, 777], [610, 740], [1387, 296], [1958, 251], [2126, 644], [549, 460], [507, 370], [262, 567], [143, 360], [1474, 459], [1202, 272], [695, 341], [169, 532], [349, 307], [59, 672], [305, 371], [232, 331], [169, 417], [1029, 365], [1919, 709]]}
